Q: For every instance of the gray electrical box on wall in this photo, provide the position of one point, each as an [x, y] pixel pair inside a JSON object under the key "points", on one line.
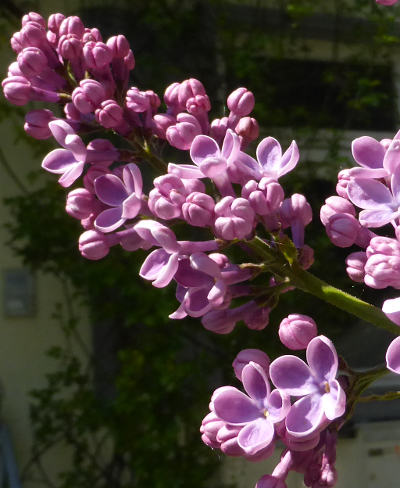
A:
{"points": [[18, 293]]}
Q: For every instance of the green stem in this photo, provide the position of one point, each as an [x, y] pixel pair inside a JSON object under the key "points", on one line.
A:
{"points": [[278, 264], [390, 395]]}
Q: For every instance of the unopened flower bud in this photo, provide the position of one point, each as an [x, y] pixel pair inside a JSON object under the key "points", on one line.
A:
{"points": [[93, 245], [334, 205], [37, 123], [97, 55], [54, 22], [32, 61], [70, 47], [257, 318], [162, 122], [88, 96], [119, 46], [241, 101], [342, 229], [80, 203], [72, 25], [219, 321], [247, 355], [33, 17], [188, 89], [296, 331], [181, 134], [355, 266], [109, 114], [136, 100], [248, 129], [198, 209], [17, 90]]}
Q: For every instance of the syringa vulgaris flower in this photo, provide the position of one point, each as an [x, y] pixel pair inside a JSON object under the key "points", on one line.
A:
{"points": [[322, 399]]}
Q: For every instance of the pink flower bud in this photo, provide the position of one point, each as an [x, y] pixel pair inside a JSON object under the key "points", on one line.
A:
{"points": [[248, 129], [218, 129], [343, 182], [72, 25], [93, 245], [355, 266], [219, 321], [70, 47], [88, 96], [80, 203], [234, 218], [198, 104], [162, 122], [54, 22], [383, 245], [306, 256], [17, 90], [119, 46], [257, 318], [136, 100], [198, 209], [181, 134], [241, 101], [34, 35], [154, 100], [342, 229], [97, 55], [129, 60], [92, 35], [296, 331], [334, 205], [32, 61], [37, 123], [16, 42], [382, 271], [188, 89], [33, 17], [109, 114], [171, 98], [265, 196], [247, 355]]}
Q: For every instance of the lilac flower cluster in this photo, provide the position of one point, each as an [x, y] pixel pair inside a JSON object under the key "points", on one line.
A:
{"points": [[232, 200], [225, 191], [248, 425]]}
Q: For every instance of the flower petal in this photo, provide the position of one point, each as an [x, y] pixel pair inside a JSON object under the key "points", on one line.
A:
{"points": [[292, 375], [255, 382], [203, 147], [305, 416], [110, 190], [368, 152], [256, 435], [322, 358], [278, 406], [58, 161], [188, 171], [334, 402], [369, 194], [391, 308], [269, 155], [231, 145], [109, 219], [234, 407], [289, 159], [71, 174], [393, 356]]}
